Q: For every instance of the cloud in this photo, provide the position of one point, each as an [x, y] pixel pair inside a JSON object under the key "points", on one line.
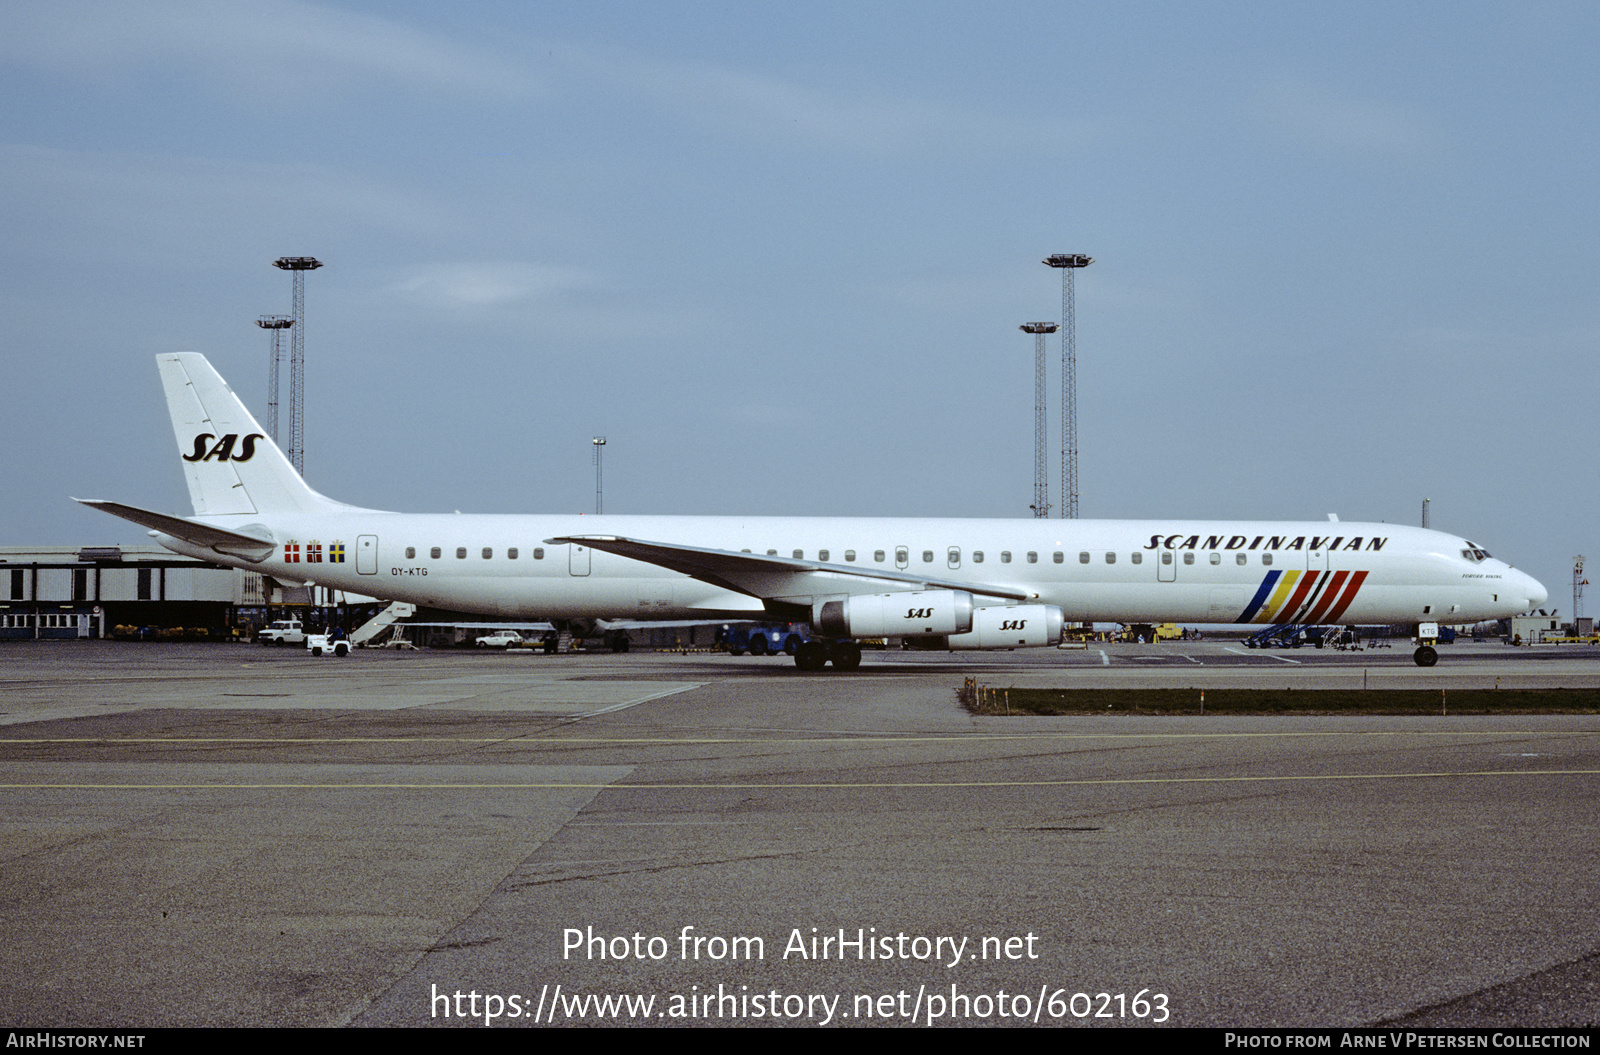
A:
{"points": [[112, 204], [280, 46], [855, 118], [1340, 123], [467, 284], [273, 49]]}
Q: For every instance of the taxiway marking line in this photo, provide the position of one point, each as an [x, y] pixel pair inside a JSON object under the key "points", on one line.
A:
{"points": [[625, 704], [1265, 655], [951, 738], [1102, 781]]}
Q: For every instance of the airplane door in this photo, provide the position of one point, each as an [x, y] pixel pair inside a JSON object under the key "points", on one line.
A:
{"points": [[366, 554], [578, 560], [1166, 566]]}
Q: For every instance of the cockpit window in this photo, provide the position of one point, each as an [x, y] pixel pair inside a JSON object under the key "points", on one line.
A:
{"points": [[1474, 554]]}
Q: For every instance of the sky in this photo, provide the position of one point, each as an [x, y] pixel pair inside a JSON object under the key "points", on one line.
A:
{"points": [[1344, 255]]}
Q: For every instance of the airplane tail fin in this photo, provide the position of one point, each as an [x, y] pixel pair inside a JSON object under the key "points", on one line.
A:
{"points": [[230, 464]]}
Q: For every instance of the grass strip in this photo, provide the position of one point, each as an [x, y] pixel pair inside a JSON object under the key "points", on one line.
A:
{"points": [[993, 699]]}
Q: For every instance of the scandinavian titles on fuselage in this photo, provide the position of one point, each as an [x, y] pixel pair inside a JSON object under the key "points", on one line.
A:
{"points": [[1272, 542]]}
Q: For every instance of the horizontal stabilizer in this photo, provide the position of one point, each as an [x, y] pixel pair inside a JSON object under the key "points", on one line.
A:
{"points": [[253, 548]]}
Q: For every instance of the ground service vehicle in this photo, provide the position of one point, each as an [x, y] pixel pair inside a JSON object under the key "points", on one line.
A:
{"points": [[327, 645], [282, 632], [764, 640]]}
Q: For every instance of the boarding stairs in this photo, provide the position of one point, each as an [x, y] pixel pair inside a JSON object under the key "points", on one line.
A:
{"points": [[385, 619]]}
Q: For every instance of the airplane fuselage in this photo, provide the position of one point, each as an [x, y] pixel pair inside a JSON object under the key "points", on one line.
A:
{"points": [[1110, 570]]}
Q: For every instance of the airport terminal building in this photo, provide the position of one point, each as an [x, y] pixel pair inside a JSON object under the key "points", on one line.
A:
{"points": [[89, 592], [151, 593]]}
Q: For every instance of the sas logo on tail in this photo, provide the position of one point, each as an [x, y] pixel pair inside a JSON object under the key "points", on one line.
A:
{"points": [[222, 450]]}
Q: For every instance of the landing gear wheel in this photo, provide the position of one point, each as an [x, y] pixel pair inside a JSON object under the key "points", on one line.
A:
{"points": [[846, 655], [1425, 656], [758, 645], [813, 655]]}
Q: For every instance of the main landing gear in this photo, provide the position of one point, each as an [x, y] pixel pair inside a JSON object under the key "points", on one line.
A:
{"points": [[814, 655]]}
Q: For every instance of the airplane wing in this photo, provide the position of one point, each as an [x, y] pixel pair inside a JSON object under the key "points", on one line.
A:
{"points": [[748, 619], [601, 624], [479, 625], [233, 543], [776, 578]]}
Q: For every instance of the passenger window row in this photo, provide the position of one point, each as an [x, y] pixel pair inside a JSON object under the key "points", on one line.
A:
{"points": [[1240, 559], [512, 553], [902, 555]]}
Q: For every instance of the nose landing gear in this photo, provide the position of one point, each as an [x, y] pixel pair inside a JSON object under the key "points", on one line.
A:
{"points": [[1426, 655]]}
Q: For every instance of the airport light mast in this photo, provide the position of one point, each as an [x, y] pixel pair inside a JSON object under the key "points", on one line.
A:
{"points": [[1578, 583], [599, 442], [1069, 263], [275, 324], [297, 266], [1041, 425]]}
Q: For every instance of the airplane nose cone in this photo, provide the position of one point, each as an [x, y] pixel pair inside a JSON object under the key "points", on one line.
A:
{"points": [[1537, 594]]}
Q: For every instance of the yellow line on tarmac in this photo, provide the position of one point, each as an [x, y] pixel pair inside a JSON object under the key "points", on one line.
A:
{"points": [[950, 738], [511, 785]]}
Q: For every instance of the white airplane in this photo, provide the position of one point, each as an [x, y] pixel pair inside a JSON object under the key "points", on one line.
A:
{"points": [[938, 584]]}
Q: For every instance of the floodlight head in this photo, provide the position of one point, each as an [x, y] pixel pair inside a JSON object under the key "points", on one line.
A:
{"points": [[1068, 260], [1039, 327], [297, 263]]}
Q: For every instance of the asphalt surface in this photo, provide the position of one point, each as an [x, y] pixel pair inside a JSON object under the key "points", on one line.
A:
{"points": [[230, 835]]}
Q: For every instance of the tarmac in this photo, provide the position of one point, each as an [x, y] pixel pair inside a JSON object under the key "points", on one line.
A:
{"points": [[226, 835]]}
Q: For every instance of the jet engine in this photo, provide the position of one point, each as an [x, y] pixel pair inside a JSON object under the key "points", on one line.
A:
{"points": [[1007, 626], [897, 614]]}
